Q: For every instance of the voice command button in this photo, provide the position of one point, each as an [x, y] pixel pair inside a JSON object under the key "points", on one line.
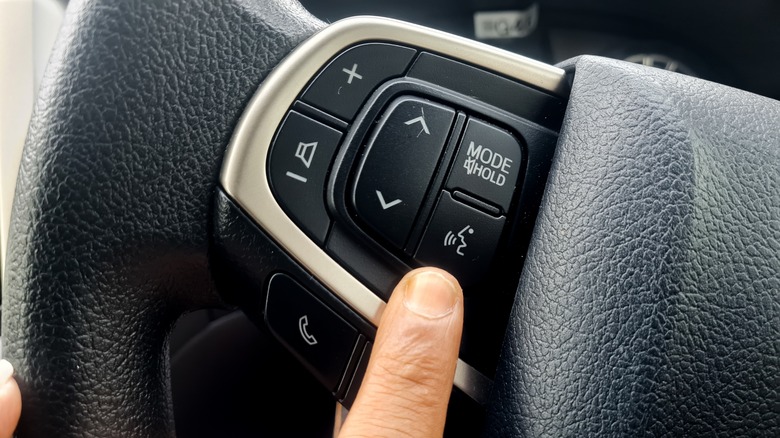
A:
{"points": [[460, 239]]}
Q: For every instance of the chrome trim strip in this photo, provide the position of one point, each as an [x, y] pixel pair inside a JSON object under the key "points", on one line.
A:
{"points": [[243, 173]]}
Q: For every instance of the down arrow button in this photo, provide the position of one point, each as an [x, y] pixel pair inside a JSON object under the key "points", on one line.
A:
{"points": [[397, 167], [386, 205]]}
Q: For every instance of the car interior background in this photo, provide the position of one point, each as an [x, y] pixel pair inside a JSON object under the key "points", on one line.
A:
{"points": [[225, 366]]}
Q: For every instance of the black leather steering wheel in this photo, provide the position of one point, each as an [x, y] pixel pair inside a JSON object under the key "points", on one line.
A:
{"points": [[649, 302]]}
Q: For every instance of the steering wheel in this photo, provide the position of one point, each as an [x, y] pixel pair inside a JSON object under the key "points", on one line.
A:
{"points": [[649, 302]]}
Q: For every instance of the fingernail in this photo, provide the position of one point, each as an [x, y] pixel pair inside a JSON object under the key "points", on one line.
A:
{"points": [[6, 371], [430, 294]]}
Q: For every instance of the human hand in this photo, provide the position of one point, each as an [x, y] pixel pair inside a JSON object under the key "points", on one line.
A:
{"points": [[409, 378], [10, 400], [407, 385]]}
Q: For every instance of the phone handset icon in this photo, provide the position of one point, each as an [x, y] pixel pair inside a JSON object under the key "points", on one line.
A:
{"points": [[303, 324]]}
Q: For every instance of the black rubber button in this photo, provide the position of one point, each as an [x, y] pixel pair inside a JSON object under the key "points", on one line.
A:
{"points": [[319, 337], [300, 158], [460, 239], [487, 164], [398, 165], [347, 81]]}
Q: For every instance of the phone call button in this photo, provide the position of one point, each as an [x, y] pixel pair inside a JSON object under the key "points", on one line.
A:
{"points": [[319, 337]]}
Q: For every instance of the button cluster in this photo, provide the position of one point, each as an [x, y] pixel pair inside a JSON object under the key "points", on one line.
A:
{"points": [[444, 212], [397, 173], [392, 158], [302, 153]]}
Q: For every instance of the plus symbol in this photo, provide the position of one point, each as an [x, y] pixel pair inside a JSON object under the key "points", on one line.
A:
{"points": [[352, 73]]}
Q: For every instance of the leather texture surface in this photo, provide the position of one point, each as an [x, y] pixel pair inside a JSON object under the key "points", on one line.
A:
{"points": [[650, 301], [110, 233]]}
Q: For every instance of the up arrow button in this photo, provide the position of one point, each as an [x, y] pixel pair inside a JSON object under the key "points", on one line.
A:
{"points": [[421, 121]]}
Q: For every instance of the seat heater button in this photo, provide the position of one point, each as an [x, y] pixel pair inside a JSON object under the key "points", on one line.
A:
{"points": [[398, 165], [460, 239], [347, 81], [319, 337], [300, 158], [487, 164]]}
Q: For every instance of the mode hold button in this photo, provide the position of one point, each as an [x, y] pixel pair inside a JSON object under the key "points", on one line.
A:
{"points": [[487, 164]]}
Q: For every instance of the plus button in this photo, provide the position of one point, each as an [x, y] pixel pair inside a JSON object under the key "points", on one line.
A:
{"points": [[352, 73]]}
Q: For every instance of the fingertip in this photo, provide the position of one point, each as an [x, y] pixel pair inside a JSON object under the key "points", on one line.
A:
{"points": [[414, 273], [6, 371], [430, 294], [10, 400], [410, 374]]}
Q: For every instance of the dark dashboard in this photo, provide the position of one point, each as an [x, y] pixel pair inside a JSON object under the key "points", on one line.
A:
{"points": [[735, 43]]}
